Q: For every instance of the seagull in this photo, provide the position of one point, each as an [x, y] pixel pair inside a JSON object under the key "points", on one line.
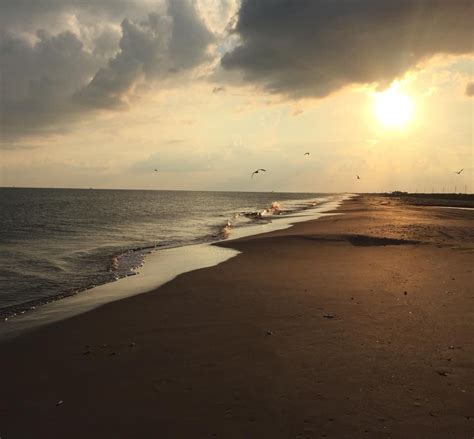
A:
{"points": [[459, 172], [306, 153], [257, 171], [358, 178]]}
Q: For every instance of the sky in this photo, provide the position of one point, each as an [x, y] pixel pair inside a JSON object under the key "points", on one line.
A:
{"points": [[100, 93]]}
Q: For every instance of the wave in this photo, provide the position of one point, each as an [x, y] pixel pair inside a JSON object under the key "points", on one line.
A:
{"points": [[128, 261]]}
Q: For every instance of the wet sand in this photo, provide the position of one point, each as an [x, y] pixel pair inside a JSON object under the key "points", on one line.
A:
{"points": [[353, 325]]}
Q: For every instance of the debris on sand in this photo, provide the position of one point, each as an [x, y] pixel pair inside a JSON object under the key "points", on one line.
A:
{"points": [[329, 316]]}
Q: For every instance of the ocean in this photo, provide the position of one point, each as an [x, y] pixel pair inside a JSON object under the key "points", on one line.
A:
{"points": [[57, 242]]}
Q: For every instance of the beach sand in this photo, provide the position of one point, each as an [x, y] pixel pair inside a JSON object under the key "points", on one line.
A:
{"points": [[354, 325]]}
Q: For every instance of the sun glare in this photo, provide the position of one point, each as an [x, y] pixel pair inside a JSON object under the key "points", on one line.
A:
{"points": [[393, 108]]}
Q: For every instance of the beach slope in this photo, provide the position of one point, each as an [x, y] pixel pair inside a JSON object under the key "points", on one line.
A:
{"points": [[354, 325]]}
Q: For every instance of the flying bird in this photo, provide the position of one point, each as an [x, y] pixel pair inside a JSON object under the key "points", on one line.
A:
{"points": [[257, 171], [459, 172], [306, 153], [358, 178]]}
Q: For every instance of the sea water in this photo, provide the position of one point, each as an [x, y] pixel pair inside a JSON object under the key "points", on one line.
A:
{"points": [[55, 243]]}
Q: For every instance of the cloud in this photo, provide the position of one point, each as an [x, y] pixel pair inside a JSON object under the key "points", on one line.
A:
{"points": [[38, 79], [27, 15], [312, 48], [150, 50], [175, 161], [16, 147], [174, 141], [50, 80], [470, 89]]}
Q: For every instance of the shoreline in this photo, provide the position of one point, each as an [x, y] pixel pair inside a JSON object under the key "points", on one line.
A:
{"points": [[82, 250], [354, 325], [159, 267]]}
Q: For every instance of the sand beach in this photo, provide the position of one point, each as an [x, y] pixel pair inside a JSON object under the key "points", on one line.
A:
{"points": [[357, 324]]}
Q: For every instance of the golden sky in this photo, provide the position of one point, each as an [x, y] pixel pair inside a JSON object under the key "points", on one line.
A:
{"points": [[206, 92]]}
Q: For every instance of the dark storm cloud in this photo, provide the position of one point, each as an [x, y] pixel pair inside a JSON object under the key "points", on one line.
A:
{"points": [[315, 47], [50, 78], [149, 50], [470, 89], [38, 79], [27, 14]]}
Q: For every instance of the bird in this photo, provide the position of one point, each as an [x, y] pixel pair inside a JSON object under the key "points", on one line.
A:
{"points": [[257, 171], [306, 153], [358, 178], [459, 172], [156, 170]]}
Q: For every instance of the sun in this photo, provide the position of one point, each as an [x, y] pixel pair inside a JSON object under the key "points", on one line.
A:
{"points": [[392, 108]]}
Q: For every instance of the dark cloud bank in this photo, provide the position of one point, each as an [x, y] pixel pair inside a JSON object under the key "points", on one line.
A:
{"points": [[298, 48], [151, 49], [58, 78], [314, 47]]}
